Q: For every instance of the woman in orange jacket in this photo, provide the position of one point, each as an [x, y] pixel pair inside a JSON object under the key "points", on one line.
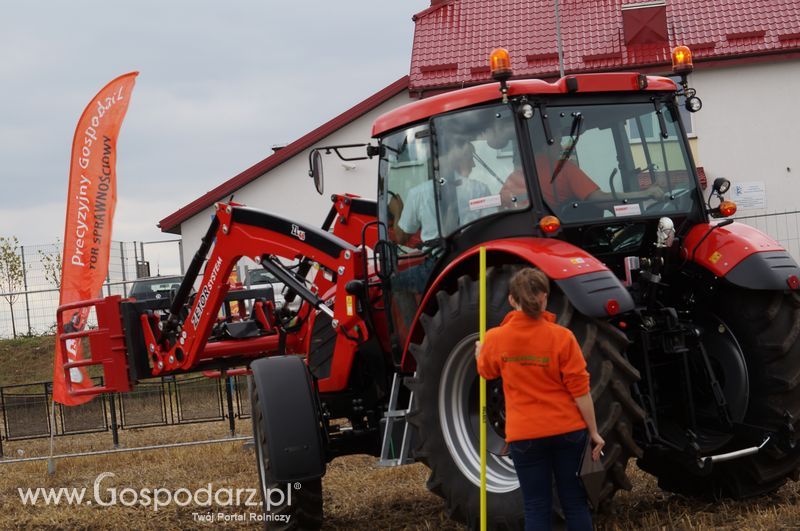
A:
{"points": [[549, 411]]}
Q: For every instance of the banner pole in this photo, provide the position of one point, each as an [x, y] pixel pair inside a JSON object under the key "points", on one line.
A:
{"points": [[51, 462], [482, 328]]}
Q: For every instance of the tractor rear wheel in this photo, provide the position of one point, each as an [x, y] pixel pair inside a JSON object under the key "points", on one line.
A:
{"points": [[766, 325], [444, 409]]}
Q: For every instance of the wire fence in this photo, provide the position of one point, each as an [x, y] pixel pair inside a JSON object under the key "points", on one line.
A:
{"points": [[783, 226], [31, 308], [26, 409]]}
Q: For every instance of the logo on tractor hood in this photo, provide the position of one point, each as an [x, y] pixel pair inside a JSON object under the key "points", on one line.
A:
{"points": [[205, 292]]}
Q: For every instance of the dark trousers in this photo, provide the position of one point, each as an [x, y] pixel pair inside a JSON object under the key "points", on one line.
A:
{"points": [[537, 461]]}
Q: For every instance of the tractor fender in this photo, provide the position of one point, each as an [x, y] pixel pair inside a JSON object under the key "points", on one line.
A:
{"points": [[588, 284], [741, 254], [292, 424]]}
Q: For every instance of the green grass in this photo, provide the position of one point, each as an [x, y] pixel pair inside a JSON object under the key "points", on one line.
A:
{"points": [[26, 359]]}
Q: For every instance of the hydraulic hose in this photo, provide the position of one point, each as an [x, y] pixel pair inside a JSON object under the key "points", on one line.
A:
{"points": [[191, 275]]}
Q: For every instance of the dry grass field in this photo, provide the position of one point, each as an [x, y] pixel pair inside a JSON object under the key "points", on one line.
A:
{"points": [[357, 494]]}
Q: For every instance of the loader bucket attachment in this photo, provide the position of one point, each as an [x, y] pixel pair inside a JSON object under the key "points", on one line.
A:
{"points": [[106, 346]]}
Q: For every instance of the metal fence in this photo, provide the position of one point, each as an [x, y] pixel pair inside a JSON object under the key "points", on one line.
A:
{"points": [[27, 414], [34, 304], [783, 226]]}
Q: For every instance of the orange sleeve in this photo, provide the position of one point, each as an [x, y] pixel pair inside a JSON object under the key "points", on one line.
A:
{"points": [[488, 361], [580, 184], [573, 367], [515, 187]]}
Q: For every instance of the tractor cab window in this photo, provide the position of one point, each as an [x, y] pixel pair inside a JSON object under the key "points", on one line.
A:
{"points": [[612, 161], [473, 172], [406, 195], [476, 154], [434, 179], [407, 206]]}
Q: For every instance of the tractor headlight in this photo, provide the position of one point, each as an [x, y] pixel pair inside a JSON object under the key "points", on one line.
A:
{"points": [[693, 104], [721, 185], [526, 111]]}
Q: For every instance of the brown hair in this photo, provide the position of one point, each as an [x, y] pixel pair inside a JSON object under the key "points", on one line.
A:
{"points": [[526, 286]]}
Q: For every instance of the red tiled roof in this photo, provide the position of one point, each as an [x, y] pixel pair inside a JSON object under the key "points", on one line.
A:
{"points": [[172, 222], [453, 38]]}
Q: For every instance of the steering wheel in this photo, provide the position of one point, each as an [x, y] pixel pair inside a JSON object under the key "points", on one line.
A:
{"points": [[629, 237], [664, 204]]}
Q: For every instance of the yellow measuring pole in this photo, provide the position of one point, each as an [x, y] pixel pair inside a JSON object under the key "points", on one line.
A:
{"points": [[482, 328]]}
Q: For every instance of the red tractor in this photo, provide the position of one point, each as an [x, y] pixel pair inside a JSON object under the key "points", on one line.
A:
{"points": [[689, 323]]}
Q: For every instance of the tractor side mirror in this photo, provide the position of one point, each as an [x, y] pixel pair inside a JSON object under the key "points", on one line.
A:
{"points": [[315, 160], [315, 171]]}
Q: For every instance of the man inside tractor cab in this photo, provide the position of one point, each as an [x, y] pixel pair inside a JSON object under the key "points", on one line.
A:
{"points": [[560, 179], [418, 212]]}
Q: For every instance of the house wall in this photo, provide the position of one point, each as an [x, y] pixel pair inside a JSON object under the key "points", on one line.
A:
{"points": [[747, 129], [747, 132], [288, 191]]}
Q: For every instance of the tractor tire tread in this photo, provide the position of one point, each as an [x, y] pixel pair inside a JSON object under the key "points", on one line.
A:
{"points": [[306, 510]]}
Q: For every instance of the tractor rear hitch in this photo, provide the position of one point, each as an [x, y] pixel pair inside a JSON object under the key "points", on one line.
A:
{"points": [[730, 456]]}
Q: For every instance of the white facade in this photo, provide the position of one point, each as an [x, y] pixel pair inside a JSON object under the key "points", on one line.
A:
{"points": [[288, 191], [747, 132]]}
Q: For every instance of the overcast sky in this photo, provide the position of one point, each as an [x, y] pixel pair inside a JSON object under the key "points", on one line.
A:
{"points": [[220, 83]]}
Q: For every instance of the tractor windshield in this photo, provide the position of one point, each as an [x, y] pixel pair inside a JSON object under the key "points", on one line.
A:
{"points": [[611, 161]]}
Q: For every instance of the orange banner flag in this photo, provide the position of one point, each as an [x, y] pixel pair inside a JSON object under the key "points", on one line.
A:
{"points": [[91, 199]]}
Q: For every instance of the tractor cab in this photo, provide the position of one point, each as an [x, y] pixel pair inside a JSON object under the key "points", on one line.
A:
{"points": [[596, 160]]}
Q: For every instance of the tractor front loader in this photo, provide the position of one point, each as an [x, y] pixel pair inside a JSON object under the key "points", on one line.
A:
{"points": [[689, 321], [219, 328]]}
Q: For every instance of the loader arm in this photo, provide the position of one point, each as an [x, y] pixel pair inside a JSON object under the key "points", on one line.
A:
{"points": [[352, 219], [248, 232], [183, 341]]}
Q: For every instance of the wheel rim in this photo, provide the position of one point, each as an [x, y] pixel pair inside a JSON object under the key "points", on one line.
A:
{"points": [[458, 415], [730, 369]]}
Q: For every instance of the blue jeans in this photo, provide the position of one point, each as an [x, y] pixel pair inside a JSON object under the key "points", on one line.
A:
{"points": [[536, 461], [414, 278]]}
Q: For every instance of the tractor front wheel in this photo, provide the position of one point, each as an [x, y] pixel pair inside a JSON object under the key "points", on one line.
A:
{"points": [[285, 507]]}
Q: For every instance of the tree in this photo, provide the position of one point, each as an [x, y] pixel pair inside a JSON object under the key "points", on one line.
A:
{"points": [[11, 274], [51, 263]]}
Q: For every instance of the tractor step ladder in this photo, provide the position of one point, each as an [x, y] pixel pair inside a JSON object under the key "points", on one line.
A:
{"points": [[396, 431]]}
